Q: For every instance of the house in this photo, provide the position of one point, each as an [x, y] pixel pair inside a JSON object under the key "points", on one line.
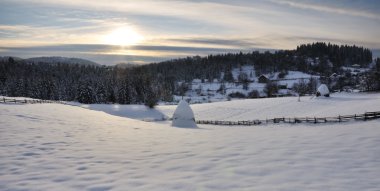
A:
{"points": [[334, 76], [197, 81], [356, 66], [263, 79]]}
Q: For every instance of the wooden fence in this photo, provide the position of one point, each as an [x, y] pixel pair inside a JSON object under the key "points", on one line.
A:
{"points": [[340, 118], [27, 101]]}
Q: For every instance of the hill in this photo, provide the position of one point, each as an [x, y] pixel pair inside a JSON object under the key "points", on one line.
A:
{"points": [[72, 148], [62, 60], [6, 58], [202, 79], [251, 109]]}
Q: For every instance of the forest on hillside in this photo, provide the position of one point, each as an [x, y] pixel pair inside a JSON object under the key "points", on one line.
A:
{"points": [[158, 81]]}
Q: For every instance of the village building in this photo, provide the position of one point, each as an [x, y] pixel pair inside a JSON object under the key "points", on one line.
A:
{"points": [[263, 79]]}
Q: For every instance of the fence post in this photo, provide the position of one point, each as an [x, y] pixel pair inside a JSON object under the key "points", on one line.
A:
{"points": [[340, 119]]}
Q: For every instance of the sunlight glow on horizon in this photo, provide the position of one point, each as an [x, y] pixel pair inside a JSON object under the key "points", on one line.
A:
{"points": [[124, 36]]}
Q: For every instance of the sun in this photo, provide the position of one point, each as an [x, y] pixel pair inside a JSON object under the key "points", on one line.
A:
{"points": [[124, 36]]}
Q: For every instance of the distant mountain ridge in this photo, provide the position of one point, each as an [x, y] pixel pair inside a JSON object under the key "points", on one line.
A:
{"points": [[126, 65], [6, 58], [59, 59]]}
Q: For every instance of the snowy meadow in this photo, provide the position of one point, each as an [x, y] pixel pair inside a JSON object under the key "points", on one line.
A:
{"points": [[64, 147]]}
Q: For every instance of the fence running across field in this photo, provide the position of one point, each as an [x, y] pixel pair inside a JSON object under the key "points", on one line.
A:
{"points": [[28, 101], [341, 118]]}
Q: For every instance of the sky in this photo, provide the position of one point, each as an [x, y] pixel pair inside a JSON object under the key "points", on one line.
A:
{"points": [[145, 31]]}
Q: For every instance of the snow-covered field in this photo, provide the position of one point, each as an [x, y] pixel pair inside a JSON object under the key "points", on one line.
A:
{"points": [[251, 109], [62, 147]]}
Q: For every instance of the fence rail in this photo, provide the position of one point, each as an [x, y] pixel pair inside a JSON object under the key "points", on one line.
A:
{"points": [[27, 101], [338, 119]]}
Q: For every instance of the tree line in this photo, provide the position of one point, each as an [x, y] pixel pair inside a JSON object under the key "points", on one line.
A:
{"points": [[159, 81]]}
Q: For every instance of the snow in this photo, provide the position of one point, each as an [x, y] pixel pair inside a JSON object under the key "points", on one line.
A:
{"points": [[197, 81], [183, 116], [355, 71], [134, 111], [62, 147], [249, 70], [204, 92], [298, 74], [294, 77], [250, 109], [17, 98], [323, 90]]}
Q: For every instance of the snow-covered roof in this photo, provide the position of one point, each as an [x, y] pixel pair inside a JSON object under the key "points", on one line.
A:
{"points": [[356, 65], [183, 116], [197, 80], [262, 75]]}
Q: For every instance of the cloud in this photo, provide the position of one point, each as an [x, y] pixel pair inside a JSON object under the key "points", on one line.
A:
{"points": [[111, 54], [225, 42], [342, 41], [178, 28], [329, 9], [94, 48], [79, 21], [214, 13], [99, 52]]}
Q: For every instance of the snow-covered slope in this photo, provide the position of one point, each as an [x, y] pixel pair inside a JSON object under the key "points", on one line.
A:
{"points": [[140, 112], [250, 109], [61, 147]]}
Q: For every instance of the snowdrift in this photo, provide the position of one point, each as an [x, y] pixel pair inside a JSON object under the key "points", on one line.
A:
{"points": [[183, 116], [323, 90]]}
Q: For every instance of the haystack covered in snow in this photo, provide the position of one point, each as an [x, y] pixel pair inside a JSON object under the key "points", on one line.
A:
{"points": [[323, 90], [183, 116]]}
